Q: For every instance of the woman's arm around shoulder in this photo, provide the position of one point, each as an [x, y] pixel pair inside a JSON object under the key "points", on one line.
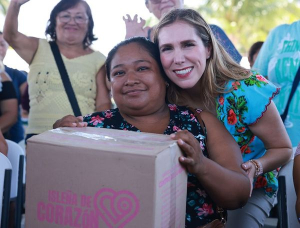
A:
{"points": [[103, 101], [25, 46], [221, 174]]}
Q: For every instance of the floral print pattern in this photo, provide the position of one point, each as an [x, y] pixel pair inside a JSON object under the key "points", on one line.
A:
{"points": [[200, 209], [243, 105]]}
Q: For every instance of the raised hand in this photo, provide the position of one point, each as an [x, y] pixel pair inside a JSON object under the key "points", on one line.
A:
{"points": [[193, 159], [70, 121], [20, 2], [135, 28]]}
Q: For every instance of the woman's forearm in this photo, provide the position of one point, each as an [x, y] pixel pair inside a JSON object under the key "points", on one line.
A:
{"points": [[275, 158], [229, 189]]}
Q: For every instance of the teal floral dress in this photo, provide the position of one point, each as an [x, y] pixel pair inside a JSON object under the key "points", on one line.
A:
{"points": [[200, 209], [243, 106]]}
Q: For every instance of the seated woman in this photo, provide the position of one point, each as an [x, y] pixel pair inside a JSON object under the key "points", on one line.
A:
{"points": [[210, 154]]}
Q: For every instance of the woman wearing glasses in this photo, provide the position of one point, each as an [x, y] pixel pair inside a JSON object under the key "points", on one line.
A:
{"points": [[71, 27], [161, 7]]}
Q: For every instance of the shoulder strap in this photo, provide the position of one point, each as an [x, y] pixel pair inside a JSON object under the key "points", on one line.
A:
{"points": [[294, 88], [65, 78]]}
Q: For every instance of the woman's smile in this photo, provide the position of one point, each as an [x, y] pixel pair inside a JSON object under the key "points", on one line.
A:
{"points": [[183, 73]]}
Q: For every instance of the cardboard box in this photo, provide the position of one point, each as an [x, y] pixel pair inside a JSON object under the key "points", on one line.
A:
{"points": [[91, 177]]}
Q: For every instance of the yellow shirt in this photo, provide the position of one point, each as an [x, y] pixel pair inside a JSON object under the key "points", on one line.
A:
{"points": [[48, 99]]}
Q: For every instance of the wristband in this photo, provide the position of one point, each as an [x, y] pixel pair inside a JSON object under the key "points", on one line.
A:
{"points": [[258, 167]]}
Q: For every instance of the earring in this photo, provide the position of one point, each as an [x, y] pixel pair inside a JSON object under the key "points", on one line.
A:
{"points": [[167, 84]]}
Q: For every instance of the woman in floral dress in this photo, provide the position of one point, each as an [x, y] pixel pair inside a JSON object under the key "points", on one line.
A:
{"points": [[205, 76], [139, 87]]}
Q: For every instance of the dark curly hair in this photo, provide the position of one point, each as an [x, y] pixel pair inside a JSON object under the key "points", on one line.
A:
{"points": [[67, 4]]}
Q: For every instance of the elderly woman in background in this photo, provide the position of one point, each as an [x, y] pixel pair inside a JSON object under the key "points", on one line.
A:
{"points": [[71, 27], [161, 7]]}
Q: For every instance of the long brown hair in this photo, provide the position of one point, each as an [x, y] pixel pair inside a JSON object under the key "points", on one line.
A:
{"points": [[220, 67]]}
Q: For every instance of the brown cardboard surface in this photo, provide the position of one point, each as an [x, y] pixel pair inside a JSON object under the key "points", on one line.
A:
{"points": [[91, 177]]}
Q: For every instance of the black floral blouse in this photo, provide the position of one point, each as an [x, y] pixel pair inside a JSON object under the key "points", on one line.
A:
{"points": [[200, 209]]}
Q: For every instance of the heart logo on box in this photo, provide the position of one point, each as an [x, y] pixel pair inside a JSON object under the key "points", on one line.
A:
{"points": [[116, 208]]}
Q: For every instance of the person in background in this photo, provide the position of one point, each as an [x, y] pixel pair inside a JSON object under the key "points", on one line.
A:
{"points": [[71, 27], [139, 88], [160, 7], [19, 80], [204, 76], [296, 176], [253, 52], [3, 145], [278, 60], [8, 102]]}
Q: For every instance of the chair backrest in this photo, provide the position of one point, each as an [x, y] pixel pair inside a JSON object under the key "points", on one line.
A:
{"points": [[287, 213], [13, 154], [4, 165]]}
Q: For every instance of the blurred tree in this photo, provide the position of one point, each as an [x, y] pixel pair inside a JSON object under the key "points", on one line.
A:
{"points": [[3, 6], [248, 21]]}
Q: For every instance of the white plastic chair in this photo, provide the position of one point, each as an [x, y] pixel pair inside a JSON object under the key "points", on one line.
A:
{"points": [[16, 156], [5, 182]]}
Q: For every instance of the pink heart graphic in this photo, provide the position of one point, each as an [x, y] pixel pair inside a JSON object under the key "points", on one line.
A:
{"points": [[116, 208]]}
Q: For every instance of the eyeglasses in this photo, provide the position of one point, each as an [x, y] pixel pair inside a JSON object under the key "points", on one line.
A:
{"points": [[155, 1], [65, 18]]}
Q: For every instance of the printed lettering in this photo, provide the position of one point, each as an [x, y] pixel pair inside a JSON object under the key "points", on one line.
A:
{"points": [[68, 216], [50, 213], [77, 216], [85, 219], [59, 214], [40, 215], [86, 201], [94, 220]]}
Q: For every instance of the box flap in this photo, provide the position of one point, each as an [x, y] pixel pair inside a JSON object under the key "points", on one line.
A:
{"points": [[109, 139]]}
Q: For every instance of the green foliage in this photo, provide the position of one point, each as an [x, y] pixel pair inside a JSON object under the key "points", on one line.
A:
{"points": [[3, 6], [248, 21]]}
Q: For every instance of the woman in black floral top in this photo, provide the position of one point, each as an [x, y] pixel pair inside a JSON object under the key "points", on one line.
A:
{"points": [[139, 87]]}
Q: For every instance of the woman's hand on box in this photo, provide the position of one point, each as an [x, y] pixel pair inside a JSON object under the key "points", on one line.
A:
{"points": [[193, 156], [70, 121]]}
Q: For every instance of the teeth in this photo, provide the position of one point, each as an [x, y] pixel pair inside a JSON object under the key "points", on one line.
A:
{"points": [[185, 71]]}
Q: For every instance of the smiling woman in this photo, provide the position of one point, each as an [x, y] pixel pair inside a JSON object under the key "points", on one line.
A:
{"points": [[204, 75], [139, 87], [70, 27]]}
